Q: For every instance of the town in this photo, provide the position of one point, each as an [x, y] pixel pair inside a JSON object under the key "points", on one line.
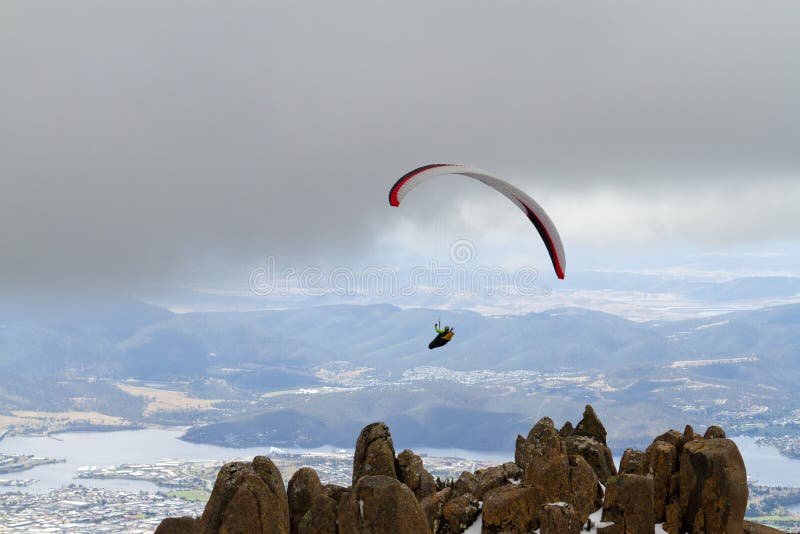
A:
{"points": [[77, 508], [10, 463], [184, 489]]}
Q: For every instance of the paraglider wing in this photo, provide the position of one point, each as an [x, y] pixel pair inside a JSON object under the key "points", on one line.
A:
{"points": [[535, 213]]}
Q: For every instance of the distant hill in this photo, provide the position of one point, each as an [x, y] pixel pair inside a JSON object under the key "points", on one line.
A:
{"points": [[739, 369], [160, 345], [135, 340]]}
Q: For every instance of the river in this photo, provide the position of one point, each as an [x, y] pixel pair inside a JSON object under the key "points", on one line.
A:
{"points": [[102, 449]]}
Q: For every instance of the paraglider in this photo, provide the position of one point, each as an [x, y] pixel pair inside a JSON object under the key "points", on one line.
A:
{"points": [[443, 338], [535, 213]]}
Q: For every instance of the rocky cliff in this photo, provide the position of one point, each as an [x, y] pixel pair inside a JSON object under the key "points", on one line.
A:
{"points": [[561, 481]]}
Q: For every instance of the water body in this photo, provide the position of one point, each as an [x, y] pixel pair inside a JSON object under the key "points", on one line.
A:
{"points": [[103, 449], [499, 457], [765, 466]]}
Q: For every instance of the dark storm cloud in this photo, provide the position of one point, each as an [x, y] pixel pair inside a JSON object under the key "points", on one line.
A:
{"points": [[137, 138]]}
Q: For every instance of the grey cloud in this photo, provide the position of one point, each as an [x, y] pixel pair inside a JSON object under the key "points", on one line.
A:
{"points": [[137, 138]]}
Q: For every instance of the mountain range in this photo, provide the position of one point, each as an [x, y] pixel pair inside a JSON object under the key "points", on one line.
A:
{"points": [[315, 374]]}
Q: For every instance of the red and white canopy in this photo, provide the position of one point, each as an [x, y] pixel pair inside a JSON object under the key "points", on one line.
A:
{"points": [[541, 221]]}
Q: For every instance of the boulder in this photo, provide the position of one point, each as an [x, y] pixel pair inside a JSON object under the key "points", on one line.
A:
{"points": [[590, 426], [247, 511], [661, 460], [544, 462], [674, 485], [673, 522], [334, 491], [176, 525], [320, 518], [374, 453], [303, 487], [633, 462], [595, 453], [412, 473], [520, 452], [692, 484], [228, 480], [344, 496], [432, 507], [674, 437], [458, 514], [511, 509], [512, 471], [466, 483], [489, 479], [714, 432], [587, 495], [276, 513], [247, 497], [689, 434], [380, 504], [559, 519], [566, 430], [629, 505], [713, 487]]}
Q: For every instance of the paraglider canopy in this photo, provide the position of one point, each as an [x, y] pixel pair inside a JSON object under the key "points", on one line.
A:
{"points": [[535, 213]]}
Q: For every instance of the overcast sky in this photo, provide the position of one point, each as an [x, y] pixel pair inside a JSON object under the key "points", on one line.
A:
{"points": [[140, 139]]}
